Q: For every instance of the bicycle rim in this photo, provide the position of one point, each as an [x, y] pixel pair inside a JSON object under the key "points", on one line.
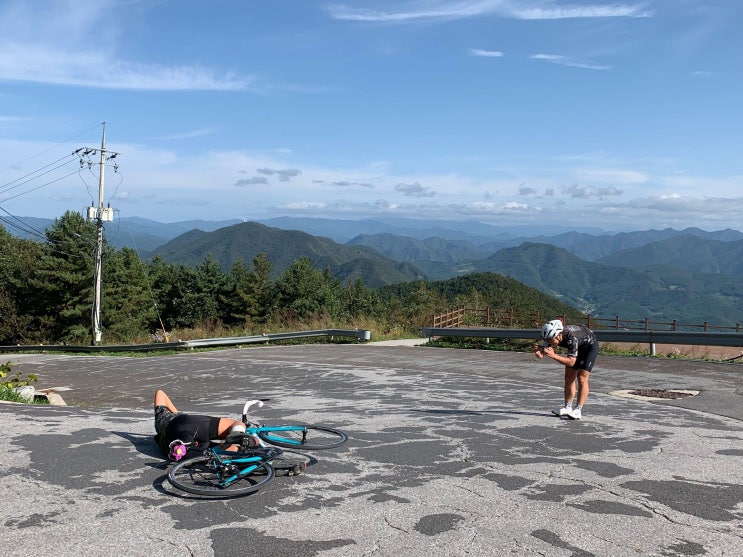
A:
{"points": [[310, 437], [198, 476]]}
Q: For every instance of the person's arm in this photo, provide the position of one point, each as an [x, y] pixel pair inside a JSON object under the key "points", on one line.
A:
{"points": [[539, 350], [568, 361]]}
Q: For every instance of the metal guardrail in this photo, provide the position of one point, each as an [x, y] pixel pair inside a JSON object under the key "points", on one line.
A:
{"points": [[358, 334], [641, 337], [508, 318]]}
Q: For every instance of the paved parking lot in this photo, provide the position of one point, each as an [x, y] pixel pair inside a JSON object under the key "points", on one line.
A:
{"points": [[451, 452]]}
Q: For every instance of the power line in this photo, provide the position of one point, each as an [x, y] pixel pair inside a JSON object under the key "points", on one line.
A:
{"points": [[49, 149], [39, 187], [39, 174], [22, 226], [34, 172]]}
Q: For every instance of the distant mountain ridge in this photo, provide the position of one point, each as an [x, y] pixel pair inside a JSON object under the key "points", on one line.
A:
{"points": [[282, 247], [662, 274], [146, 235], [661, 293], [692, 253]]}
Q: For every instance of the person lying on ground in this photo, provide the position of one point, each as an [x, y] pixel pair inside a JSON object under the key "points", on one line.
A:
{"points": [[172, 425]]}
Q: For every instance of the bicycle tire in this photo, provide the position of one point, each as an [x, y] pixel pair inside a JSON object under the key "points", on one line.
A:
{"points": [[310, 437], [197, 476]]}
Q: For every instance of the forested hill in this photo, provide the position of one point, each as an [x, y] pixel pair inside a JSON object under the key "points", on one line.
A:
{"points": [[661, 292], [282, 247], [691, 253], [482, 290]]}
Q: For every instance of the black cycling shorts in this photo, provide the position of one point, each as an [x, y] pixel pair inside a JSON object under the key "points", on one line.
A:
{"points": [[586, 356], [186, 427]]}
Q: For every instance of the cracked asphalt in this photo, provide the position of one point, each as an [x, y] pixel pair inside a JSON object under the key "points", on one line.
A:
{"points": [[451, 452]]}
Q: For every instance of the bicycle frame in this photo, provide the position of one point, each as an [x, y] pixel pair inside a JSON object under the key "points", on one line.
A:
{"points": [[255, 429], [226, 458], [271, 428]]}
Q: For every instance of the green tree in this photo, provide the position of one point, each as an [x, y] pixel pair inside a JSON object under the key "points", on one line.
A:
{"points": [[360, 301], [62, 288], [174, 287], [188, 297], [232, 300], [210, 282], [248, 296], [261, 300], [128, 305], [18, 261], [303, 291]]}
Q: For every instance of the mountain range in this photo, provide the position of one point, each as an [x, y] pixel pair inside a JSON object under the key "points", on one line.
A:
{"points": [[688, 275], [282, 247]]}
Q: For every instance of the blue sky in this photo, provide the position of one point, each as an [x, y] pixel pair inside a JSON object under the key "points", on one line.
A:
{"points": [[617, 115]]}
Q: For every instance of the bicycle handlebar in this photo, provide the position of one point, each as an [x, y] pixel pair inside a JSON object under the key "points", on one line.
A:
{"points": [[258, 401]]}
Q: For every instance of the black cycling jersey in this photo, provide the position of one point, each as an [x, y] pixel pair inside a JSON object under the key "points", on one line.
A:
{"points": [[576, 336]]}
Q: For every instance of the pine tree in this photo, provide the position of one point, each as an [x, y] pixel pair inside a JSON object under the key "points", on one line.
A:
{"points": [[303, 291], [62, 288], [18, 260], [129, 310]]}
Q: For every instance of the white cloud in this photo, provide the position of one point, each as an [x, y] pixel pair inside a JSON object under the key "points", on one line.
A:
{"points": [[186, 135], [591, 191], [676, 210], [302, 206], [565, 61], [513, 9], [497, 208], [52, 65], [485, 53], [345, 184], [547, 11], [255, 180], [74, 44], [414, 190]]}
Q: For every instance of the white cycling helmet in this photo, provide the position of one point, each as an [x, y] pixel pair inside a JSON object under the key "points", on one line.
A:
{"points": [[551, 329]]}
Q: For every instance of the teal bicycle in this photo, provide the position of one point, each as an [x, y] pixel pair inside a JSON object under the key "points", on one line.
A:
{"points": [[251, 461]]}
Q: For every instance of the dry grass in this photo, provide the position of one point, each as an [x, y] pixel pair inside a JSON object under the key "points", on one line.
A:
{"points": [[720, 353]]}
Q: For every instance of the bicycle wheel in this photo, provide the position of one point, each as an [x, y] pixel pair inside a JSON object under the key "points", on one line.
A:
{"points": [[307, 437], [199, 477]]}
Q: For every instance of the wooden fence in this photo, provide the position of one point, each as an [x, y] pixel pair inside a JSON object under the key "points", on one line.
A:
{"points": [[510, 319]]}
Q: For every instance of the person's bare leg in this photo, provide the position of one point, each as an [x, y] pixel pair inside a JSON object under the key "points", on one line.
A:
{"points": [[583, 376], [161, 399], [226, 425], [570, 375]]}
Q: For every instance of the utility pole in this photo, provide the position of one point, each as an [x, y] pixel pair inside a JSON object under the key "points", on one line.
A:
{"points": [[100, 214]]}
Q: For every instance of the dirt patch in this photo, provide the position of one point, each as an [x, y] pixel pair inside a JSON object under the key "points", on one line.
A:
{"points": [[663, 393], [648, 394]]}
